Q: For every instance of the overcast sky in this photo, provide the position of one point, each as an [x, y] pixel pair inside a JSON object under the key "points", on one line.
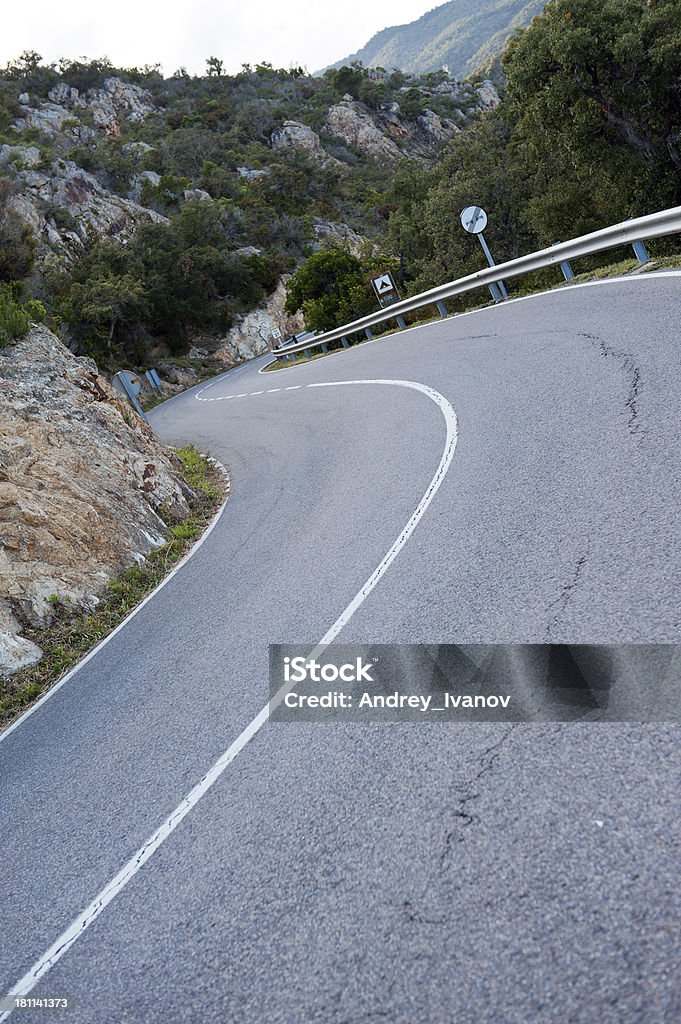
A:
{"points": [[313, 33]]}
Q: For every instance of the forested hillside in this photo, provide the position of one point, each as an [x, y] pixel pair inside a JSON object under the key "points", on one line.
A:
{"points": [[460, 36], [150, 215], [588, 134], [147, 212]]}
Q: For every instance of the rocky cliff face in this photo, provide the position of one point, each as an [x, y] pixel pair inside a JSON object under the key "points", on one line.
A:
{"points": [[84, 484], [65, 187], [385, 134], [252, 334]]}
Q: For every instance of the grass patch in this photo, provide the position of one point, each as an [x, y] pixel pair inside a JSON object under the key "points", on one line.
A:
{"points": [[74, 633]]}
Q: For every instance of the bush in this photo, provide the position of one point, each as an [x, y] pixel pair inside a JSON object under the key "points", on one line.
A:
{"points": [[14, 320]]}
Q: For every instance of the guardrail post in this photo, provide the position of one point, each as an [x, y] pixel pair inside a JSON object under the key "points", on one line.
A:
{"points": [[641, 252], [325, 347], [568, 272], [369, 333], [442, 309], [400, 321], [496, 294], [308, 353], [345, 343]]}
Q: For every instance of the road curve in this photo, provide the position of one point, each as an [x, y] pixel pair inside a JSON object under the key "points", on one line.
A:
{"points": [[480, 873]]}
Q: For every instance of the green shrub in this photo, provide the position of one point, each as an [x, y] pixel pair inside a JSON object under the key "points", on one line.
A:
{"points": [[14, 320]]}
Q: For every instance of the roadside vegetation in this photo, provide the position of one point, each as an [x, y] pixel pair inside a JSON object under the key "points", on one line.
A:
{"points": [[74, 633]]}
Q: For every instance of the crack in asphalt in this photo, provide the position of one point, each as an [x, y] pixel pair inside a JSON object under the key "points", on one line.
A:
{"points": [[463, 815], [633, 373], [566, 593]]}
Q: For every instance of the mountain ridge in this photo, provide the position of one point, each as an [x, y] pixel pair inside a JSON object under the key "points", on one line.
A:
{"points": [[459, 35]]}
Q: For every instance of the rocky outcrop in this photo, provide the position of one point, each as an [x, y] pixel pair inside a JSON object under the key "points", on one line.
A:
{"points": [[68, 190], [84, 484], [386, 135], [294, 135], [109, 106], [329, 232], [252, 334], [352, 123], [20, 156], [488, 97]]}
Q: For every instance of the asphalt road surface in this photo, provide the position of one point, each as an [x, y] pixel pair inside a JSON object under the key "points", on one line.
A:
{"points": [[351, 874]]}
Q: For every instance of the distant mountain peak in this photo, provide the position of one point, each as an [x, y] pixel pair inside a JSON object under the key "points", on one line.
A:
{"points": [[458, 36]]}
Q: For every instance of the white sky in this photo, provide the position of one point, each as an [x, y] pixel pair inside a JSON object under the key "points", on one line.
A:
{"points": [[137, 32]]}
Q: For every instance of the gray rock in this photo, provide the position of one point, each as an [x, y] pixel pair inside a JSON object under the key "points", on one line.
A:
{"points": [[252, 173], [29, 156], [17, 652], [294, 135], [487, 96], [196, 193]]}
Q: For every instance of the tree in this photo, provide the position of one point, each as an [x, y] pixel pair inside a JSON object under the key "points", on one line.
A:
{"points": [[594, 93], [99, 304], [214, 67], [331, 288], [17, 243]]}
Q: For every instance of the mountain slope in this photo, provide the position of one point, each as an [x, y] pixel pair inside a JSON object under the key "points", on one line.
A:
{"points": [[460, 35]]}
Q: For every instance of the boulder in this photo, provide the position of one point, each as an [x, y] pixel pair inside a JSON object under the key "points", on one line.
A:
{"points": [[487, 96], [294, 135]]}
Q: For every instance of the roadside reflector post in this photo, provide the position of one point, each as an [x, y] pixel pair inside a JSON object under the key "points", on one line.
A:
{"points": [[127, 383], [152, 379], [400, 321], [640, 251], [442, 309]]}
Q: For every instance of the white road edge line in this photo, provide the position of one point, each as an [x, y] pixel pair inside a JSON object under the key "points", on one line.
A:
{"points": [[95, 650], [141, 856]]}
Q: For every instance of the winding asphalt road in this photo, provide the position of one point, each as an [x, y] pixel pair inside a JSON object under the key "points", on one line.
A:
{"points": [[469, 874]]}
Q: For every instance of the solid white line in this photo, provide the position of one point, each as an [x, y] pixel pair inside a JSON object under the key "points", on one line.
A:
{"points": [[95, 650], [141, 856]]}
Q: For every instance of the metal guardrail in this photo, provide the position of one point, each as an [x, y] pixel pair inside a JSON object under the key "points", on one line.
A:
{"points": [[654, 225]]}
